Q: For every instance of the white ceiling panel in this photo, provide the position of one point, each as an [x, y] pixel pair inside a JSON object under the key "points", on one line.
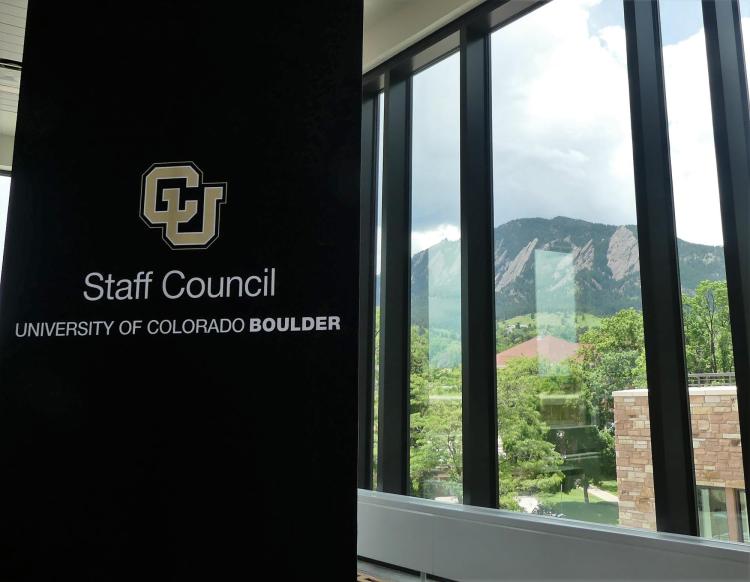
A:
{"points": [[12, 30]]}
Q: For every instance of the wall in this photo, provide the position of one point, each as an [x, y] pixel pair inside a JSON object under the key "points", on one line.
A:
{"points": [[635, 473], [717, 451]]}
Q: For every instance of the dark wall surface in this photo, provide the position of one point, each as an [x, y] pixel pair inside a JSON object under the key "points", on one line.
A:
{"points": [[173, 457]]}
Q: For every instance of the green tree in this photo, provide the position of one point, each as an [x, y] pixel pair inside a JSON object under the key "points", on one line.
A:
{"points": [[529, 463], [436, 444], [612, 357], [436, 448], [708, 337]]}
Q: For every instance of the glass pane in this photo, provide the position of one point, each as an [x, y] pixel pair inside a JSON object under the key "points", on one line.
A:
{"points": [[745, 24], [717, 452], [435, 422], [574, 436], [712, 513], [10, 80], [4, 197], [744, 521], [378, 245]]}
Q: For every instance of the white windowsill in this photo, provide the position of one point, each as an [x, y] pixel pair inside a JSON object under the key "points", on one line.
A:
{"points": [[467, 543]]}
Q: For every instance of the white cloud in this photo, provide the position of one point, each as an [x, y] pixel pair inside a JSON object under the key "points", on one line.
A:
{"points": [[561, 118], [436, 146], [424, 239], [694, 180], [561, 125]]}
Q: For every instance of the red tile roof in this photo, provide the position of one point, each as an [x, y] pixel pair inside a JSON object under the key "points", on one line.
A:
{"points": [[548, 347]]}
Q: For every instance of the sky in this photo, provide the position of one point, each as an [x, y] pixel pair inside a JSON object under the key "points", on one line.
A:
{"points": [[561, 123]]}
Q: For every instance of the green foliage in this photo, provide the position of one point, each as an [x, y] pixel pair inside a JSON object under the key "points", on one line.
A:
{"points": [[708, 337], [435, 420], [516, 330], [608, 459], [511, 334], [436, 443], [612, 357], [533, 456], [528, 462]]}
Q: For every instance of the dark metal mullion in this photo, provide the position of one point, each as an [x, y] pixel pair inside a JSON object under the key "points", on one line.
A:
{"points": [[731, 123], [671, 439], [11, 64], [393, 396], [367, 251], [479, 383]]}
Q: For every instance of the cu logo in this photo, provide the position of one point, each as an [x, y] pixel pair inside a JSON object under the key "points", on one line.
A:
{"points": [[175, 199]]}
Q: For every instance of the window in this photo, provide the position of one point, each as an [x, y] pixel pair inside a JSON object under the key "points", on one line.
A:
{"points": [[4, 197], [571, 267], [378, 258], [435, 378], [717, 453], [712, 513], [722, 514], [572, 404]]}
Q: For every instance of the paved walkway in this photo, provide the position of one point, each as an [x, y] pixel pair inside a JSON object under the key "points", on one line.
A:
{"points": [[603, 495]]}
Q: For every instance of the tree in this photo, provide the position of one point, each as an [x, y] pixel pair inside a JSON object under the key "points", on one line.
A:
{"points": [[437, 444], [529, 463], [708, 337], [612, 357], [436, 447]]}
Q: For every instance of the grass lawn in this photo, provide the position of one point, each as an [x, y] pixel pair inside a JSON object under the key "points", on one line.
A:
{"points": [[573, 506]]}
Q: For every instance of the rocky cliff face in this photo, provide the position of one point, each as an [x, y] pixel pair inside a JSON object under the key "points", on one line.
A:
{"points": [[622, 254], [546, 264]]}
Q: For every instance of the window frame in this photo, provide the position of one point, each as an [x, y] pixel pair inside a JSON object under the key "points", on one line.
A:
{"points": [[674, 480]]}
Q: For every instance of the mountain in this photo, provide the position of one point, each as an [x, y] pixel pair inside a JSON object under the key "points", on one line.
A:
{"points": [[551, 265]]}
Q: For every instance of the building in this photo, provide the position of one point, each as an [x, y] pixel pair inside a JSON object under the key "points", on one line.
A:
{"points": [[548, 348], [717, 455]]}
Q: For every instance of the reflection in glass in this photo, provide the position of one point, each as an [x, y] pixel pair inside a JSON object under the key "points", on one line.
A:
{"points": [[435, 358], [744, 521], [378, 246], [4, 198], [574, 436], [717, 453], [712, 513], [554, 282]]}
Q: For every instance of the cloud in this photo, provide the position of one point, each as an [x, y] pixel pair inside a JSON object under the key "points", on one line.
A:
{"points": [[561, 124], [435, 150], [561, 118], [694, 179], [424, 239]]}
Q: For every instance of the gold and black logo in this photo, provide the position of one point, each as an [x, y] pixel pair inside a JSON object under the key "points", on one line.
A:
{"points": [[175, 199]]}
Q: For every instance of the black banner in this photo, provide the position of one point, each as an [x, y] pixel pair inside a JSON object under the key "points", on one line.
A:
{"points": [[178, 299]]}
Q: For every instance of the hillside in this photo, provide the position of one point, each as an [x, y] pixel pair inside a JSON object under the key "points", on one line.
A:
{"points": [[547, 265]]}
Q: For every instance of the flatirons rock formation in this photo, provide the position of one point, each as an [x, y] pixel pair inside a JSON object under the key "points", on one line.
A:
{"points": [[551, 264]]}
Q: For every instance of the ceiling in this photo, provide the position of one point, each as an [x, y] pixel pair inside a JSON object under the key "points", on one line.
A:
{"points": [[392, 25], [375, 10], [389, 26], [12, 28]]}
